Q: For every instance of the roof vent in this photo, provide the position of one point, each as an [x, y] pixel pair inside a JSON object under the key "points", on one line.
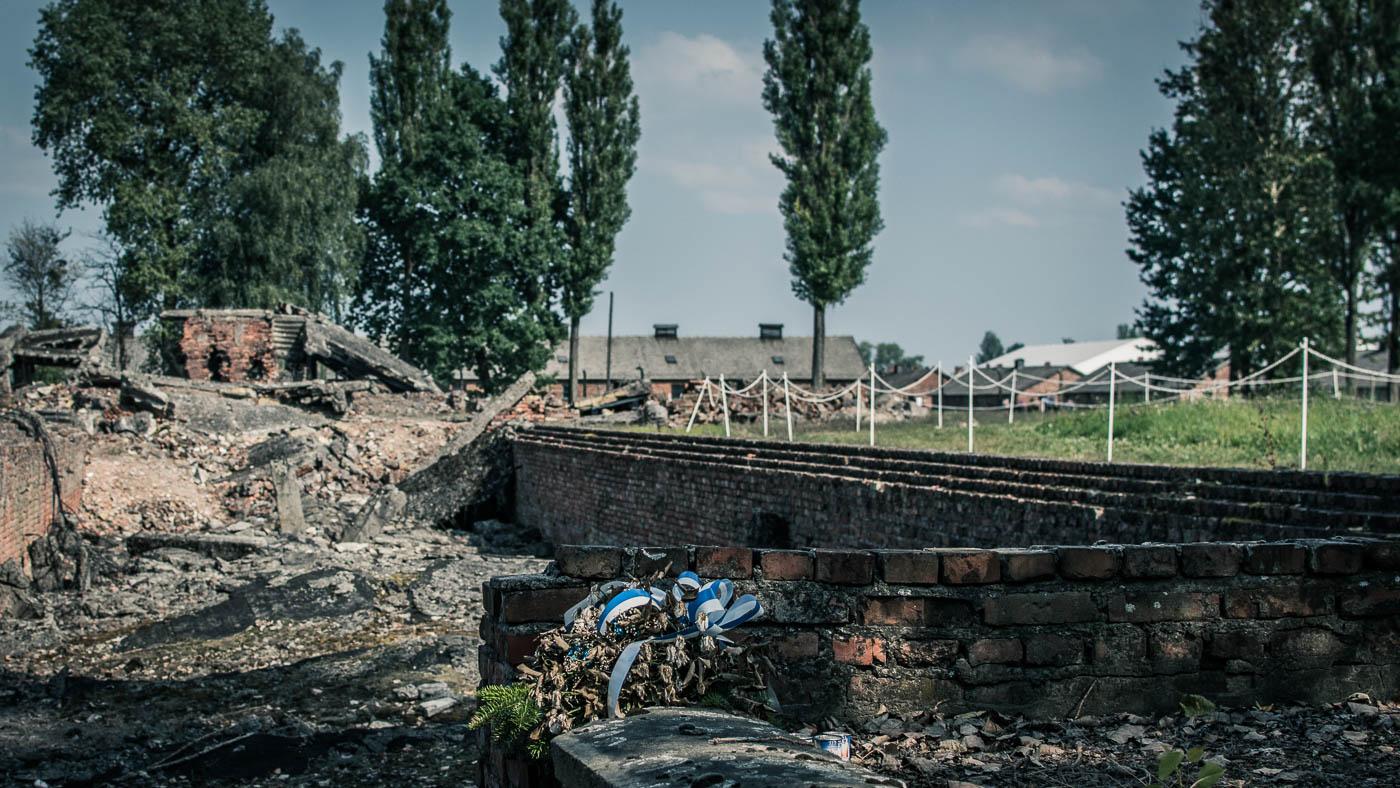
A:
{"points": [[670, 359], [777, 359], [665, 330], [770, 330]]}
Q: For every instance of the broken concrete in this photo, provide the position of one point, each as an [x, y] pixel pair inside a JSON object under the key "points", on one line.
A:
{"points": [[286, 487], [376, 515], [677, 747], [356, 357], [226, 546]]}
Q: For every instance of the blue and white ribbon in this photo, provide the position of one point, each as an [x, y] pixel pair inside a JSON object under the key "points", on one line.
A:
{"points": [[713, 612]]}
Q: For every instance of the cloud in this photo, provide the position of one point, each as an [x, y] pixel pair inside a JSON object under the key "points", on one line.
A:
{"points": [[1029, 63], [1025, 201], [989, 218], [698, 66], [729, 188], [1040, 191]]}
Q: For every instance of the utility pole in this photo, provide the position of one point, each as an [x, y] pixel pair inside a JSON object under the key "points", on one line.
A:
{"points": [[608, 371]]}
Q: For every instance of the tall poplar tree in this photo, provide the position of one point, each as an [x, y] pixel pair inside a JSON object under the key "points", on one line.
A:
{"points": [[1384, 36], [1338, 50], [532, 66], [604, 126], [817, 87], [410, 81], [1226, 230]]}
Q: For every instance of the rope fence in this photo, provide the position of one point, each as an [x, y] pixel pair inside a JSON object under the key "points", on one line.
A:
{"points": [[1015, 385]]}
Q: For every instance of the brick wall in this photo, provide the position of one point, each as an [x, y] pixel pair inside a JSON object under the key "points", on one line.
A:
{"points": [[608, 489], [1048, 632], [232, 349], [26, 490]]}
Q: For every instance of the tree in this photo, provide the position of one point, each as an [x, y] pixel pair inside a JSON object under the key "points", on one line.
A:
{"points": [[817, 87], [1382, 35], [604, 126], [1225, 231], [534, 57], [990, 348], [111, 304], [1343, 67], [1129, 331], [888, 356], [446, 215], [410, 80], [38, 270], [213, 148]]}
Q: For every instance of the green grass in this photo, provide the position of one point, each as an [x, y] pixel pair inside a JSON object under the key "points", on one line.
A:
{"points": [[1248, 433]]}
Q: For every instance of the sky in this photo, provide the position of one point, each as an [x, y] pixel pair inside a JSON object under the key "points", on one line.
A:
{"points": [[1014, 137]]}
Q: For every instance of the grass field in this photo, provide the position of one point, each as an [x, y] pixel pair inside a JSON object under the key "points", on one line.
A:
{"points": [[1249, 433]]}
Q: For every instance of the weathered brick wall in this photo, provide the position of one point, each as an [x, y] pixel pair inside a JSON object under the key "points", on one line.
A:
{"points": [[580, 489], [232, 349], [1047, 632], [26, 490]]}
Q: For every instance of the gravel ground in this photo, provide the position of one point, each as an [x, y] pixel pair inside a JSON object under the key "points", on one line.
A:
{"points": [[311, 665]]}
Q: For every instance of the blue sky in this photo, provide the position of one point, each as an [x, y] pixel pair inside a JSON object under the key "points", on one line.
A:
{"points": [[1014, 131]]}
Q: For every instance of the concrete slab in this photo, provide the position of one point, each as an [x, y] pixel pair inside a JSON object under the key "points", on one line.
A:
{"points": [[677, 747]]}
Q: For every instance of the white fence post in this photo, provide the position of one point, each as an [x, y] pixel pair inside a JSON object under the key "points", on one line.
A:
{"points": [[857, 404], [765, 403], [1011, 404], [724, 404], [1112, 373], [940, 395], [787, 403], [699, 398], [872, 404], [969, 404], [1303, 451], [1147, 387], [1336, 390]]}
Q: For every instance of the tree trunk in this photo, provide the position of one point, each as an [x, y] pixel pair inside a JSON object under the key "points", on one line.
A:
{"points": [[1351, 330], [818, 347], [405, 303], [573, 360], [1392, 340]]}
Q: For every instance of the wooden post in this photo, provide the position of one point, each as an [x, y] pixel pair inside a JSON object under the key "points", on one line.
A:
{"points": [[1303, 450], [1336, 390], [1011, 405], [765, 402], [969, 404], [857, 404], [940, 395], [872, 403], [787, 402], [699, 397], [1112, 374], [1147, 387], [724, 404]]}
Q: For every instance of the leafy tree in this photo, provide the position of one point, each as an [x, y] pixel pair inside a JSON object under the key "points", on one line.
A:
{"points": [[1382, 36], [990, 348], [447, 219], [1014, 346], [40, 273], [410, 80], [534, 58], [817, 86], [212, 147], [1222, 231], [888, 356], [604, 126], [1129, 331], [1343, 67]]}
